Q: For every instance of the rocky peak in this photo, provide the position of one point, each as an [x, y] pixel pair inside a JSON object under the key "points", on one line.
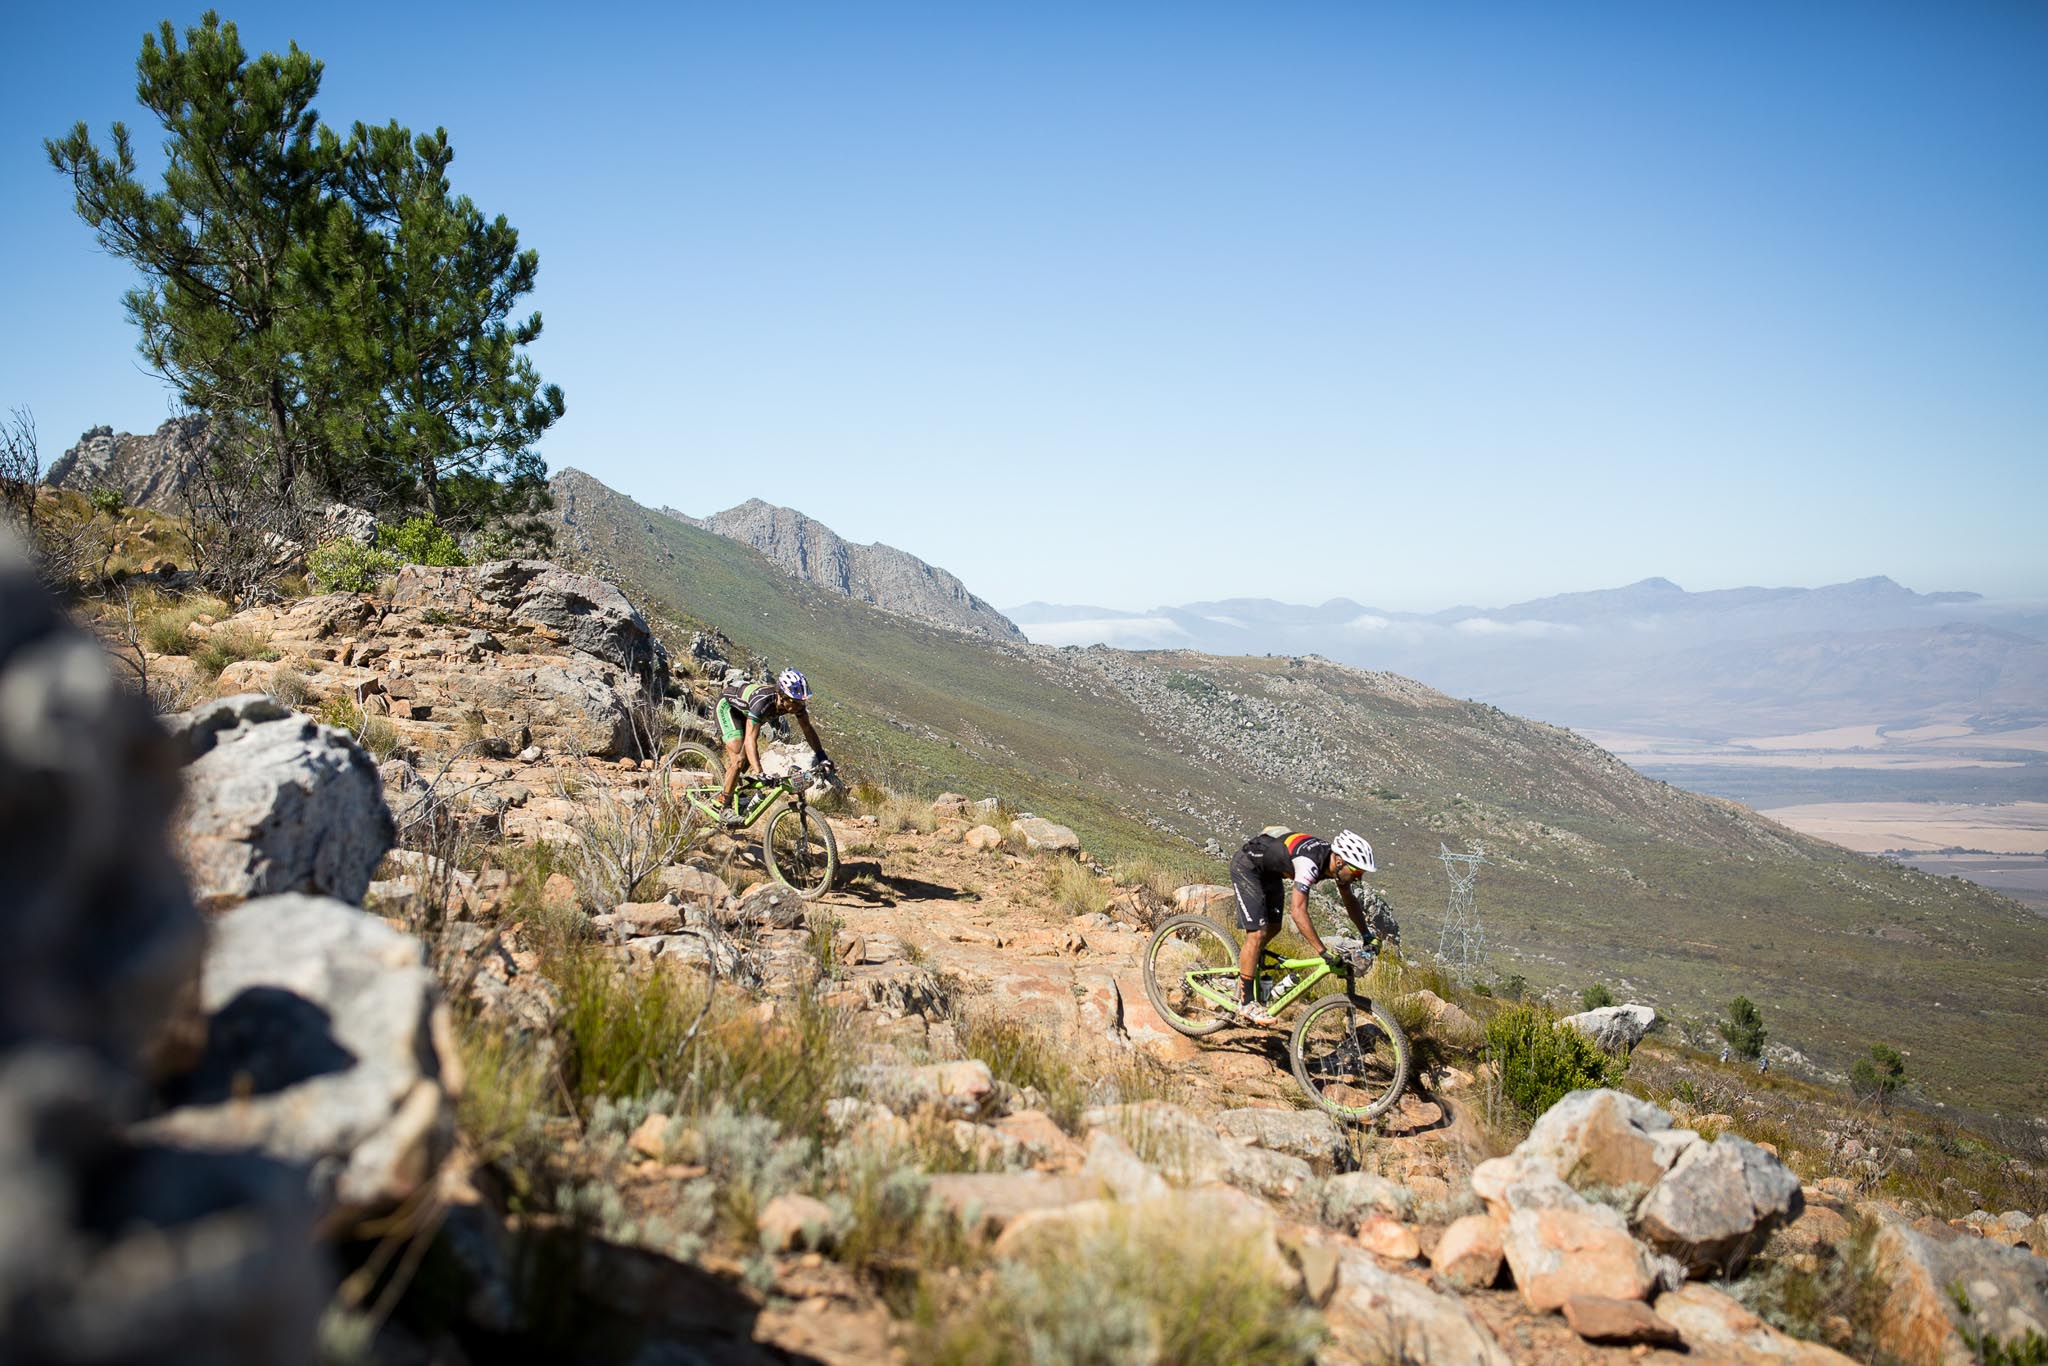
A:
{"points": [[148, 470], [881, 575]]}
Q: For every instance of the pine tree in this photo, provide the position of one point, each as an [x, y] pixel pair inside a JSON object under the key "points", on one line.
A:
{"points": [[331, 306], [222, 308], [1744, 1028]]}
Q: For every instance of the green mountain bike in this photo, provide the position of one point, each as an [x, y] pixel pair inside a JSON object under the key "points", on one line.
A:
{"points": [[797, 844], [1348, 1052]]}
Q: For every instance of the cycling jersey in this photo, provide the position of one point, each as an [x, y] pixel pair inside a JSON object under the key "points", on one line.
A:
{"points": [[1261, 871], [755, 702]]}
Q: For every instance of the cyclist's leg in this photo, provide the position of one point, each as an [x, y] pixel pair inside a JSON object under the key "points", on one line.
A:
{"points": [[731, 732], [1258, 916]]}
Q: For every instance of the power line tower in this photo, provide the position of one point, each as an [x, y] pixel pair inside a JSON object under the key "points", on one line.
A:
{"points": [[1463, 942]]}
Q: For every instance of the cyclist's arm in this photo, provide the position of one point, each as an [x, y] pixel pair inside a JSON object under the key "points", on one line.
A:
{"points": [[1297, 908], [1355, 908], [803, 721]]}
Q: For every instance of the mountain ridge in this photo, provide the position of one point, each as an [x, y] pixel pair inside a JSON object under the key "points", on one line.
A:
{"points": [[880, 575]]}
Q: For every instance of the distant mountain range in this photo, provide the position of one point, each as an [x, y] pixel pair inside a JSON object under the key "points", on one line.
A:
{"points": [[1651, 656]]}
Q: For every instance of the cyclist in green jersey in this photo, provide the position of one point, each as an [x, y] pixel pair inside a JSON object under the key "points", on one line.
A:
{"points": [[744, 709]]}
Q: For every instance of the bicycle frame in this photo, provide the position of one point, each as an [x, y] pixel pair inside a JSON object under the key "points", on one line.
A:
{"points": [[1199, 981], [704, 798]]}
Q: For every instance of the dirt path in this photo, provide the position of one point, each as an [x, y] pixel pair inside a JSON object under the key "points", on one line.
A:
{"points": [[986, 921]]}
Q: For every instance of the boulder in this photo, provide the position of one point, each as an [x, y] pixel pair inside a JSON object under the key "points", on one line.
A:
{"points": [[1591, 1140], [1122, 1172], [1311, 1135], [990, 1201], [1619, 1323], [1189, 1152], [1377, 1316], [1447, 1020], [1041, 1138], [327, 1046], [278, 804], [770, 906], [1718, 1204], [1205, 899], [1388, 1238], [983, 837], [1716, 1328], [694, 885], [789, 1222], [1919, 1321], [1615, 1029], [1558, 1253], [956, 1088], [111, 1249], [1469, 1253], [1041, 836], [1350, 1197], [638, 919]]}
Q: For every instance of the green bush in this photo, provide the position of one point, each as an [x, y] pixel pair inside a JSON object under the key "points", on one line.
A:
{"points": [[106, 501], [420, 541], [1538, 1061], [1880, 1076], [346, 567], [1596, 996]]}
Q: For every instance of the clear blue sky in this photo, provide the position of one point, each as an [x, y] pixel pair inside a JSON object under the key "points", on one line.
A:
{"points": [[1148, 303]]}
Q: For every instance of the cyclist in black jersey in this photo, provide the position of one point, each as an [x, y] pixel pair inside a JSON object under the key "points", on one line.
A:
{"points": [[1278, 864], [744, 709]]}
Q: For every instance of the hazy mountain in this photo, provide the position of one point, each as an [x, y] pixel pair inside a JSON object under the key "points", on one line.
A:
{"points": [[147, 470], [1712, 664]]}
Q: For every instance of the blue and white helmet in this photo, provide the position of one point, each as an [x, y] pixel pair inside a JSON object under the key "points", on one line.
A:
{"points": [[1354, 850], [791, 684]]}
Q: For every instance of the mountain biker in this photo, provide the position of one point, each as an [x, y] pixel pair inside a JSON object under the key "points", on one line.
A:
{"points": [[1277, 862], [746, 707]]}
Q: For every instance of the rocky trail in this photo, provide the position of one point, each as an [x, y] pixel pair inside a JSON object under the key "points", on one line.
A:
{"points": [[349, 887]]}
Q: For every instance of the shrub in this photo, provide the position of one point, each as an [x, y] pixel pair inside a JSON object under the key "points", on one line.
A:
{"points": [[374, 733], [1538, 1062], [1160, 1285], [1880, 1076], [1596, 996], [168, 632], [289, 688], [420, 541], [229, 645], [105, 501], [346, 567], [1074, 888], [1510, 986]]}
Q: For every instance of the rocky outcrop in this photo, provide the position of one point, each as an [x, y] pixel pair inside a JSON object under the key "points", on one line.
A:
{"points": [[881, 575], [113, 1250], [148, 471], [1615, 1029], [276, 802], [1919, 1320], [327, 1047], [1376, 1316]]}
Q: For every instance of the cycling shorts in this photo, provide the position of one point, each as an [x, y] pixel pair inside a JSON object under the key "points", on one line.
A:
{"points": [[732, 722], [1260, 894]]}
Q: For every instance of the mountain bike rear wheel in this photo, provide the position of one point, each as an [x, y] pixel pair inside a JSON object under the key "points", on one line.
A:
{"points": [[801, 851], [1186, 952], [691, 768], [1351, 1056]]}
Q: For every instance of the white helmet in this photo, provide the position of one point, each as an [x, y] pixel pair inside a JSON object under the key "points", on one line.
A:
{"points": [[791, 684], [1354, 850]]}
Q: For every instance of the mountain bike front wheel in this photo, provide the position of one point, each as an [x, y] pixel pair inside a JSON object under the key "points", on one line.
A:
{"points": [[1351, 1056], [801, 851], [1190, 963]]}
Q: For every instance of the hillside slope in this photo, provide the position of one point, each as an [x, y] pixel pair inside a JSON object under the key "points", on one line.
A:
{"points": [[1595, 872]]}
